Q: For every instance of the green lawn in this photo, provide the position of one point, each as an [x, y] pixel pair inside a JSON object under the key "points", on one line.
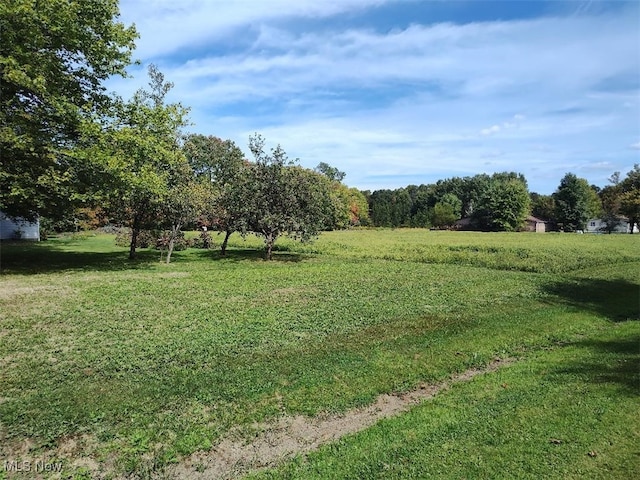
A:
{"points": [[137, 364]]}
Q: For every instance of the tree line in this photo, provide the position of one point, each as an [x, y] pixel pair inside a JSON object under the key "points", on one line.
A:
{"points": [[502, 202]]}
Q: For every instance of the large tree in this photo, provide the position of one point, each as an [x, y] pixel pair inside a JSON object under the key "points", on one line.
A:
{"points": [[54, 57], [505, 204], [574, 203], [630, 197]]}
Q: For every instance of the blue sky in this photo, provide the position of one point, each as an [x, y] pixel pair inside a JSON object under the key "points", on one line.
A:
{"points": [[407, 92]]}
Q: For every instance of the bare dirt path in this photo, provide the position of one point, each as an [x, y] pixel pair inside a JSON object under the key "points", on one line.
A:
{"points": [[293, 435]]}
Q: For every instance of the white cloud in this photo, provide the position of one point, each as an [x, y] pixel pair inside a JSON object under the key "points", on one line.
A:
{"points": [[427, 98], [491, 130], [635, 146]]}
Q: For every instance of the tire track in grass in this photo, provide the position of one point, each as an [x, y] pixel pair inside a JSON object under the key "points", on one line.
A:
{"points": [[292, 435]]}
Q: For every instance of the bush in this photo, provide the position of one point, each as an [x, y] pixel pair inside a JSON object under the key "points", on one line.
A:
{"points": [[146, 238], [204, 240]]}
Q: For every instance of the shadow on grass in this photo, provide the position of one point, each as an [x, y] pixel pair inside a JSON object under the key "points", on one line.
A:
{"points": [[29, 259], [617, 300], [615, 362], [48, 257], [242, 255]]}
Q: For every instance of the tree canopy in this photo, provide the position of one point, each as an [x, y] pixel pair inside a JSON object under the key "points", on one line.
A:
{"points": [[54, 57]]}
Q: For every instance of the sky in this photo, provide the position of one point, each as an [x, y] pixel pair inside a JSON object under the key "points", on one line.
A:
{"points": [[406, 92]]}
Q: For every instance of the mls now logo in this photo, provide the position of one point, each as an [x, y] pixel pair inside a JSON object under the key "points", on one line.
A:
{"points": [[39, 466]]}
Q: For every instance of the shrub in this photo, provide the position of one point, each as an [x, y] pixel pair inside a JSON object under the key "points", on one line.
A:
{"points": [[204, 240]]}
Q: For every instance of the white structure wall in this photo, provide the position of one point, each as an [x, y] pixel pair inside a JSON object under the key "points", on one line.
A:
{"points": [[596, 225], [18, 229]]}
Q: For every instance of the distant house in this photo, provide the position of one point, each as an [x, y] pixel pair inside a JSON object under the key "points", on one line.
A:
{"points": [[18, 229], [598, 225], [533, 224]]}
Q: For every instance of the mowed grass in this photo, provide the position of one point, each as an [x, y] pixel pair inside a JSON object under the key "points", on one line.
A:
{"points": [[137, 364]]}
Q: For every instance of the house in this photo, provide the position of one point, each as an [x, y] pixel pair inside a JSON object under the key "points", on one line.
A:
{"points": [[598, 225], [533, 224], [18, 229]]}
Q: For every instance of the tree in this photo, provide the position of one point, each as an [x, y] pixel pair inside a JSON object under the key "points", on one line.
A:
{"points": [[610, 198], [138, 152], [630, 197], [283, 198], [381, 208], [330, 172], [574, 203], [543, 206], [54, 57], [222, 167], [183, 203], [505, 204], [446, 211]]}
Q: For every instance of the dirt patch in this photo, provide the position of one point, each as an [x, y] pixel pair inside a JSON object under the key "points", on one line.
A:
{"points": [[290, 436]]}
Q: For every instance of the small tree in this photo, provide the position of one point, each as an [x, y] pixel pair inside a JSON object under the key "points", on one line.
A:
{"points": [[283, 198], [137, 153]]}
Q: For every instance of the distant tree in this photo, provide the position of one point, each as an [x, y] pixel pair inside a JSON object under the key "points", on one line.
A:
{"points": [[574, 203], [183, 203], [610, 198], [330, 172], [222, 167], [447, 211], [443, 215], [400, 208], [54, 58], [543, 206], [630, 197], [351, 207], [504, 205], [283, 198], [381, 208]]}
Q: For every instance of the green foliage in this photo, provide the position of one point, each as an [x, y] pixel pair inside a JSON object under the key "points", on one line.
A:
{"points": [[543, 207], [504, 206], [630, 197], [281, 198], [143, 169], [145, 239], [416, 205], [575, 203], [221, 167], [332, 173], [54, 57]]}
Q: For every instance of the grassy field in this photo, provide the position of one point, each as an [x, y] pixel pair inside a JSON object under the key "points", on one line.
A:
{"points": [[115, 367]]}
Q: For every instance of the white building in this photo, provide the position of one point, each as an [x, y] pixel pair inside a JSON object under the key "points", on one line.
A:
{"points": [[18, 229], [597, 225]]}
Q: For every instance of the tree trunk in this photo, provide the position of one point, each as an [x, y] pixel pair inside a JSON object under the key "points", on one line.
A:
{"points": [[269, 244], [223, 249], [135, 231], [172, 240], [170, 249]]}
